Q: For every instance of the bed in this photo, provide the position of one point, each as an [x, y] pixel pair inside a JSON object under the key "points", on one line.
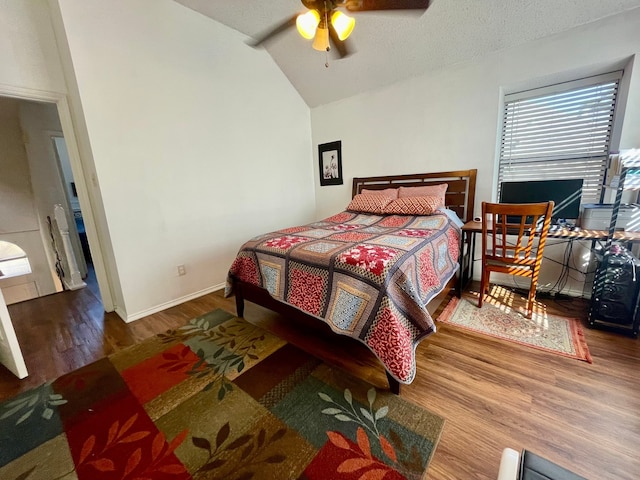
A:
{"points": [[371, 272]]}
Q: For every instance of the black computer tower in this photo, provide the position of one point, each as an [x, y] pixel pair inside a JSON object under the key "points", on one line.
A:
{"points": [[616, 289]]}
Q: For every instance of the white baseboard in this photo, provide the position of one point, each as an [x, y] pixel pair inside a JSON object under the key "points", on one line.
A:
{"points": [[121, 313], [164, 306]]}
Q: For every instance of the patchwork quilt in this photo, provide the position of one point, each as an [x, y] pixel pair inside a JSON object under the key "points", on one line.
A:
{"points": [[367, 276]]}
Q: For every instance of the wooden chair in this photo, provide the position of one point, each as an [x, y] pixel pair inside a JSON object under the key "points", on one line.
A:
{"points": [[508, 246]]}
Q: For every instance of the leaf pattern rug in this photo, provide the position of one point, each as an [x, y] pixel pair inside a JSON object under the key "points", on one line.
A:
{"points": [[218, 399]]}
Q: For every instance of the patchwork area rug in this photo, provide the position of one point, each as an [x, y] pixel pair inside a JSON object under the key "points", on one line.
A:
{"points": [[559, 335], [217, 398]]}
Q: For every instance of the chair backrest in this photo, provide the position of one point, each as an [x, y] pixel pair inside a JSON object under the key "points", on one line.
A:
{"points": [[508, 232]]}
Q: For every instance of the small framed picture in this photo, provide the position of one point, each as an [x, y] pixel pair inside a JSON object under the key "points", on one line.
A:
{"points": [[330, 158]]}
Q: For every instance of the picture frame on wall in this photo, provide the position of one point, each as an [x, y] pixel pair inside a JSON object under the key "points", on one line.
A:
{"points": [[330, 159]]}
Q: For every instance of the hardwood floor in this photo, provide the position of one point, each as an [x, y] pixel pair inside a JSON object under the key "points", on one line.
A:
{"points": [[493, 394]]}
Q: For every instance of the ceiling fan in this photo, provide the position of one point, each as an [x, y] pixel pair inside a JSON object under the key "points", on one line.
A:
{"points": [[327, 25]]}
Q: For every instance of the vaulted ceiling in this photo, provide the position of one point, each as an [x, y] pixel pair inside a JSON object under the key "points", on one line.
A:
{"points": [[390, 46]]}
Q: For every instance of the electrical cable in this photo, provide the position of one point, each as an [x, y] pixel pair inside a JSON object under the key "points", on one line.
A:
{"points": [[563, 277], [565, 273]]}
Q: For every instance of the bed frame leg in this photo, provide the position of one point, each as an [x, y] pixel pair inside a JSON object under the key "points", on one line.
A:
{"points": [[239, 301], [394, 385]]}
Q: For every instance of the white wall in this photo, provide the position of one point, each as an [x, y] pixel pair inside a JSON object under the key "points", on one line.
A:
{"points": [[449, 119], [198, 142], [28, 52], [17, 206]]}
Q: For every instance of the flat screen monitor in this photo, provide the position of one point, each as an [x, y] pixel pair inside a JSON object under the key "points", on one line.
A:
{"points": [[566, 195]]}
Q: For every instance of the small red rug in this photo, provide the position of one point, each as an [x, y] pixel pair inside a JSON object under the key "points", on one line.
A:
{"points": [[551, 333]]}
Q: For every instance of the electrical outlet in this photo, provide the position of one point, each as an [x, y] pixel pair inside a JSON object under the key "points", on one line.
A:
{"points": [[181, 270]]}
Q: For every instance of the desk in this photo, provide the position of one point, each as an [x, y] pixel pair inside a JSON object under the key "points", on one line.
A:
{"points": [[470, 229]]}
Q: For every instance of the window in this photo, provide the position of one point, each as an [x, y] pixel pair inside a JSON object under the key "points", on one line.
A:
{"points": [[13, 261], [560, 132]]}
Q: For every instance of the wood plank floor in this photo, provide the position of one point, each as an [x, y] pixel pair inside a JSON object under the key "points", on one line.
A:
{"points": [[493, 394]]}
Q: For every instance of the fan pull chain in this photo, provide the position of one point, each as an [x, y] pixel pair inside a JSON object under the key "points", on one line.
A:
{"points": [[326, 22]]}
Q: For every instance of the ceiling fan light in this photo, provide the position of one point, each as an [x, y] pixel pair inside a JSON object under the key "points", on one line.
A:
{"points": [[307, 23], [343, 24], [321, 42]]}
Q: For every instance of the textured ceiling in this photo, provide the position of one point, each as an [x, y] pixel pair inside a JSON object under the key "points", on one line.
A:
{"points": [[390, 46]]}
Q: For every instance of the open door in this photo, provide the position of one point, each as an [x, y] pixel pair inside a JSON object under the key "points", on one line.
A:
{"points": [[10, 353]]}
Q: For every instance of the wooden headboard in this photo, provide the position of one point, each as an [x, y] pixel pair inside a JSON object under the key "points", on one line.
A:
{"points": [[460, 196]]}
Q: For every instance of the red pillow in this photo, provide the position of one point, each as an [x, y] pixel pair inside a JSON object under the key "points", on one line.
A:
{"points": [[424, 205], [389, 192], [425, 191], [369, 203]]}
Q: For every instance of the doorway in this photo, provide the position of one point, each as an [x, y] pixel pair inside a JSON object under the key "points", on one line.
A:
{"points": [[95, 226], [35, 203]]}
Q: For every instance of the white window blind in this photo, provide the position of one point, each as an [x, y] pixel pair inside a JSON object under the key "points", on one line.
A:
{"points": [[560, 132]]}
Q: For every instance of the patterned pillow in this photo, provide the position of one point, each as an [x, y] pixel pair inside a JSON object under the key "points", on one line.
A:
{"points": [[369, 203], [389, 192], [424, 205], [425, 190]]}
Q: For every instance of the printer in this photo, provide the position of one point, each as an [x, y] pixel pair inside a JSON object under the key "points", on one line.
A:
{"points": [[597, 216]]}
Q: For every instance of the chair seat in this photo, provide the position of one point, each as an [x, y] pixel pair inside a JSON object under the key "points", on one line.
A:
{"points": [[534, 467], [529, 466]]}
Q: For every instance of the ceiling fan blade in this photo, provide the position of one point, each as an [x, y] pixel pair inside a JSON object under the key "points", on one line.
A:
{"points": [[270, 34], [368, 5], [341, 46]]}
